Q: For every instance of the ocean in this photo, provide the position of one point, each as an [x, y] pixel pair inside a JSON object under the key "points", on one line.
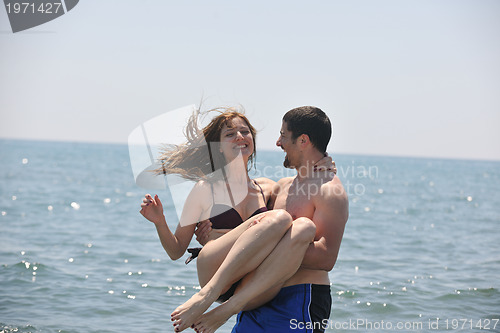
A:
{"points": [[421, 249]]}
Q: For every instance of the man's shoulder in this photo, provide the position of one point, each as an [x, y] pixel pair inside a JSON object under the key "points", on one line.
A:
{"points": [[263, 181], [267, 185], [280, 185], [333, 192], [285, 180]]}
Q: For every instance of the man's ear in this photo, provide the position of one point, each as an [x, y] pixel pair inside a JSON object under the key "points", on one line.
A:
{"points": [[303, 139]]}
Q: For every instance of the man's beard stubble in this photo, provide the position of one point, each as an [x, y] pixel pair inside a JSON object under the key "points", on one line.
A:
{"points": [[286, 163]]}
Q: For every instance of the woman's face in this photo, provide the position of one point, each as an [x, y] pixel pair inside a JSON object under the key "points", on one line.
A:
{"points": [[235, 139]]}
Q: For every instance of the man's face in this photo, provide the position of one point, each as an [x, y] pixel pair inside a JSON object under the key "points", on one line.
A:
{"points": [[286, 143]]}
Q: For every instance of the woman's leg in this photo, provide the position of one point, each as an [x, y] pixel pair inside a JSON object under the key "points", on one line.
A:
{"points": [[249, 250], [214, 252], [261, 285]]}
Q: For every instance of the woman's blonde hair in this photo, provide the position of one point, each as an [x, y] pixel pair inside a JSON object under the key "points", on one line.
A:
{"points": [[199, 157]]}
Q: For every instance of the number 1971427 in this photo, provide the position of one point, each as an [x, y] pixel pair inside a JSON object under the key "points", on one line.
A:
{"points": [[481, 324], [26, 8]]}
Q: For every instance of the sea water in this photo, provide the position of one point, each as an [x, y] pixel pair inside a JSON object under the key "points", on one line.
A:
{"points": [[421, 249]]}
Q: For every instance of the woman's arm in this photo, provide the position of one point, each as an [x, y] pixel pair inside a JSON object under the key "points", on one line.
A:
{"points": [[175, 244]]}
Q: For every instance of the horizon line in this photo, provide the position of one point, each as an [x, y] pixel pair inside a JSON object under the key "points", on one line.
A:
{"points": [[389, 155]]}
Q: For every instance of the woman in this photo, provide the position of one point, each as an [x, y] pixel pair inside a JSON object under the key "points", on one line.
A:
{"points": [[221, 170]]}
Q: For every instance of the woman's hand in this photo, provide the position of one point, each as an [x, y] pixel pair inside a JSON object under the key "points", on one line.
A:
{"points": [[325, 164], [152, 209], [202, 231]]}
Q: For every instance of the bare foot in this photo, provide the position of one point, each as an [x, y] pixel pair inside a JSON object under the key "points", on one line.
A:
{"points": [[212, 320], [186, 314]]}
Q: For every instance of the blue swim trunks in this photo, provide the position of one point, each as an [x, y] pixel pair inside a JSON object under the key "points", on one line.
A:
{"points": [[302, 308]]}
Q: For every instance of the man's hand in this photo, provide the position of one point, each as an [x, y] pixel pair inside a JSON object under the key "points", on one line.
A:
{"points": [[202, 231]]}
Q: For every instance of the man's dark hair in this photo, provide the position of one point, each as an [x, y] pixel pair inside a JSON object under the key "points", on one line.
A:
{"points": [[312, 121]]}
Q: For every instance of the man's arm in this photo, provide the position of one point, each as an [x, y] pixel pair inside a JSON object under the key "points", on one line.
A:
{"points": [[278, 186], [330, 217], [274, 193], [268, 188]]}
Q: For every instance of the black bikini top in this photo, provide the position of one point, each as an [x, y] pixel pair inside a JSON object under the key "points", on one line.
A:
{"points": [[226, 217]]}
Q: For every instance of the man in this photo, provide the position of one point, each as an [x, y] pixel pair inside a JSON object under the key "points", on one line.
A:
{"points": [[304, 301]]}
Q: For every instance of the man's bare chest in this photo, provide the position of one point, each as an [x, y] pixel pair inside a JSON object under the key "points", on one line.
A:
{"points": [[295, 201]]}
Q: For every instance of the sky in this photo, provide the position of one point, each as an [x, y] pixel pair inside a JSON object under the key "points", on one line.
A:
{"points": [[400, 78]]}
